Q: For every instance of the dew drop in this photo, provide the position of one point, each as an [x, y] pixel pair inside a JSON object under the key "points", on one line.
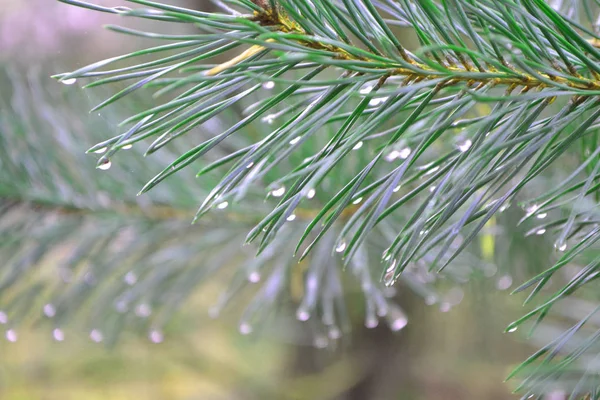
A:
{"points": [[432, 170], [11, 335], [340, 247], [269, 118], [464, 146], [431, 189], [405, 152], [222, 205], [101, 150], [105, 165], [311, 193], [69, 81], [358, 145], [155, 336], [357, 201], [561, 247], [366, 90], [295, 140], [96, 335], [291, 217], [49, 310], [127, 146], [398, 323], [278, 192], [269, 85], [396, 189], [541, 215], [3, 317], [532, 208], [504, 207], [121, 9], [302, 314], [504, 282], [58, 335], [540, 231], [392, 155], [334, 333], [254, 277], [513, 329], [371, 322], [245, 328], [250, 165], [130, 278]]}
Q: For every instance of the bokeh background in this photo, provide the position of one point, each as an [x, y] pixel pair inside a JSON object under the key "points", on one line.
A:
{"points": [[457, 352]]}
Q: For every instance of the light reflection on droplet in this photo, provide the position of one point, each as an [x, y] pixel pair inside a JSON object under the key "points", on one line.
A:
{"points": [[250, 165], [430, 300], [302, 315], [334, 333], [291, 217], [357, 201], [540, 231], [340, 247], [396, 189], [464, 146], [320, 342], [254, 277], [311, 193], [295, 140], [366, 89], [504, 282], [269, 85], [278, 192], [101, 150], [532, 208], [358, 145], [405, 152], [513, 329], [561, 247], [69, 81], [371, 322], [143, 310], [269, 118], [245, 328], [96, 336], [541, 215], [105, 165], [11, 335], [127, 146], [58, 335], [222, 205], [49, 310]]}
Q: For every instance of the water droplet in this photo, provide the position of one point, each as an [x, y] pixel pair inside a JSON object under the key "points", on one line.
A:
{"points": [[504, 282], [106, 164], [302, 314], [254, 277], [127, 146], [143, 310], [396, 189], [357, 201], [49, 310], [432, 188], [3, 317], [311, 193], [377, 101], [358, 145], [464, 146], [531, 209], [130, 278], [222, 205], [432, 170], [11, 335], [340, 247], [388, 278], [295, 140], [269, 118], [156, 336], [560, 247], [250, 165], [245, 328], [268, 85], [392, 155], [69, 81], [540, 231], [121, 9], [96, 335], [504, 207], [366, 89], [541, 215], [334, 333], [58, 335], [101, 150], [278, 192], [405, 152], [513, 329], [291, 217], [398, 324]]}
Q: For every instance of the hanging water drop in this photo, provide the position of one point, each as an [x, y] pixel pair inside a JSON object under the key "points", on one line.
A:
{"points": [[127, 146], [278, 192], [58, 335], [302, 314], [49, 310], [532, 208], [358, 145], [392, 155], [250, 165], [106, 164], [101, 150], [541, 215], [96, 335], [254, 277], [371, 322], [11, 335], [405, 152], [311, 193], [366, 89], [540, 231], [357, 201], [340, 247], [398, 324], [464, 146], [561, 247], [291, 217], [222, 205], [513, 329], [155, 336], [69, 81], [245, 328], [269, 118], [396, 189], [432, 189], [295, 140], [268, 85]]}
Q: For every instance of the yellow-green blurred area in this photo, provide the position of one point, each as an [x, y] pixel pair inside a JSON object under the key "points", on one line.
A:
{"points": [[445, 352]]}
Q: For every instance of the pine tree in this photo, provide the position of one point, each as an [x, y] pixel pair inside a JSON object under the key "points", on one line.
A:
{"points": [[379, 162]]}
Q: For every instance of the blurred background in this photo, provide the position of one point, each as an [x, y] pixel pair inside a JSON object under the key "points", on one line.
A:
{"points": [[451, 350]]}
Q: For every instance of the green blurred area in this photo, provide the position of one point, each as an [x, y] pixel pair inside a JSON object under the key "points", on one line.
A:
{"points": [[454, 353]]}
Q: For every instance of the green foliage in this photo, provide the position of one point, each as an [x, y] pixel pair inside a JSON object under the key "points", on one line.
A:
{"points": [[391, 158]]}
